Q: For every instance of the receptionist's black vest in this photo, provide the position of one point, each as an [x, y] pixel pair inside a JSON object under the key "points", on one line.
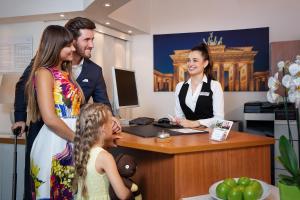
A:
{"points": [[204, 105]]}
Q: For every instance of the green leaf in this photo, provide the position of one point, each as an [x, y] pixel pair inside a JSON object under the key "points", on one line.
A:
{"points": [[286, 177], [285, 164], [288, 156], [287, 180]]}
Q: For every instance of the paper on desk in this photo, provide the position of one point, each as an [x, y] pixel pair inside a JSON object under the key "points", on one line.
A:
{"points": [[186, 130]]}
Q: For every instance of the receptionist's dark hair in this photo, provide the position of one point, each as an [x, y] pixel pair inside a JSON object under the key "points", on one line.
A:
{"points": [[203, 48]]}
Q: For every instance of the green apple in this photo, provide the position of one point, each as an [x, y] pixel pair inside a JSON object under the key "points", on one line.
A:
{"points": [[222, 190], [230, 182], [241, 188], [244, 181], [235, 194], [257, 186], [251, 193]]}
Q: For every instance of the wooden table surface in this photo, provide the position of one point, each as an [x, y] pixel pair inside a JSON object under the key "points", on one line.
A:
{"points": [[9, 139], [193, 143], [179, 144]]}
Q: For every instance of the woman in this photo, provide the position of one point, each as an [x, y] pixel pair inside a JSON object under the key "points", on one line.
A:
{"points": [[199, 101], [54, 96]]}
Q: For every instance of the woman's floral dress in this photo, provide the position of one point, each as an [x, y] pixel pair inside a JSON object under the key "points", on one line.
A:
{"points": [[51, 156]]}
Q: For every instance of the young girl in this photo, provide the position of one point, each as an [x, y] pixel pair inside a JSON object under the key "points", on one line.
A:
{"points": [[95, 168]]}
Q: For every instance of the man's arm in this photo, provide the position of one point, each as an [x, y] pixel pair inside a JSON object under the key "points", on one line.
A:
{"points": [[100, 93], [20, 104]]}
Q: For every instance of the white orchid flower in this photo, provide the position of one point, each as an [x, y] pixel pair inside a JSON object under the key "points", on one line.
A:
{"points": [[280, 65], [273, 97], [273, 82], [296, 82], [294, 97], [294, 68], [287, 81], [291, 96], [290, 80], [293, 88]]}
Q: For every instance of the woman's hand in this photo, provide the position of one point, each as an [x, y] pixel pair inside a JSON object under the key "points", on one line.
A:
{"points": [[189, 123]]}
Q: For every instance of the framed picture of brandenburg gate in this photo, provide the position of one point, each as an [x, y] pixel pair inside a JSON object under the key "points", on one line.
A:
{"points": [[240, 58]]}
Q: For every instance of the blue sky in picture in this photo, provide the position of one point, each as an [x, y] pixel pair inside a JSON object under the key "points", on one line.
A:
{"points": [[165, 44]]}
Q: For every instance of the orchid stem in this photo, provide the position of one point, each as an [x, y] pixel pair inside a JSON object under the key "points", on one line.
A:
{"points": [[298, 129], [287, 117]]}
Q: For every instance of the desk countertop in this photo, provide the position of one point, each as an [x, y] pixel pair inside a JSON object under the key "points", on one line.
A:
{"points": [[179, 144], [193, 143], [9, 139]]}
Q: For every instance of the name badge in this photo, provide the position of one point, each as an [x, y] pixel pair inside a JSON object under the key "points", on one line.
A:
{"points": [[204, 94]]}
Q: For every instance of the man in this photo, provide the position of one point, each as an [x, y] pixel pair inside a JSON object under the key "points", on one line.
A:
{"points": [[88, 75]]}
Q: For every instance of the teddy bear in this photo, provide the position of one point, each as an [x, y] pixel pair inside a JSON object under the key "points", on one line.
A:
{"points": [[127, 167]]}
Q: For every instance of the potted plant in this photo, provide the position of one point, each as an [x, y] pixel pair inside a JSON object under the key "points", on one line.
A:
{"points": [[289, 186]]}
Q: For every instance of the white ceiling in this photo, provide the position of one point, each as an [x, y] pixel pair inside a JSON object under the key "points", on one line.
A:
{"points": [[18, 11]]}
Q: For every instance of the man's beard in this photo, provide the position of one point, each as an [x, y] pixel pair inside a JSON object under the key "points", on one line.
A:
{"points": [[81, 52]]}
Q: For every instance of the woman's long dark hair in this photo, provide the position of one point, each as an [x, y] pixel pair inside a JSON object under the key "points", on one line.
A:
{"points": [[203, 48]]}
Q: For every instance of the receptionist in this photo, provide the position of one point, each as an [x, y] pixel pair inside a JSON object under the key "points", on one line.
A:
{"points": [[200, 100]]}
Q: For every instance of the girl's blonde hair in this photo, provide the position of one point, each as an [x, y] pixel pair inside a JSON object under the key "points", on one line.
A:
{"points": [[92, 118], [53, 40]]}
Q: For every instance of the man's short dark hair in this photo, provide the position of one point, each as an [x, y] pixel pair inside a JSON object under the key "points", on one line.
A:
{"points": [[77, 23]]}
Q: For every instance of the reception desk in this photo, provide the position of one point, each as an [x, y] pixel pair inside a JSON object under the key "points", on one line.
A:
{"points": [[187, 165]]}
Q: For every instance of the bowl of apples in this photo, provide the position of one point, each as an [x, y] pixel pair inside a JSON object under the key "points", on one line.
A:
{"points": [[242, 188]]}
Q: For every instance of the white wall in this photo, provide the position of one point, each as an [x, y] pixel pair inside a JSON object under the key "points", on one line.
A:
{"points": [[34, 30], [177, 16]]}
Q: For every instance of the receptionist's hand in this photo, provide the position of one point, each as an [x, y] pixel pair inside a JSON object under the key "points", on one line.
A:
{"points": [[189, 123]]}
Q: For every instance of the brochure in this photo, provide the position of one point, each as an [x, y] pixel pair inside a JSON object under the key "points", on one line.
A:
{"points": [[221, 130]]}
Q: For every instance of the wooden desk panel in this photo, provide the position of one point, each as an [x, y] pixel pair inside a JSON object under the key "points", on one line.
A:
{"points": [[188, 165], [155, 174], [10, 139], [195, 172]]}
